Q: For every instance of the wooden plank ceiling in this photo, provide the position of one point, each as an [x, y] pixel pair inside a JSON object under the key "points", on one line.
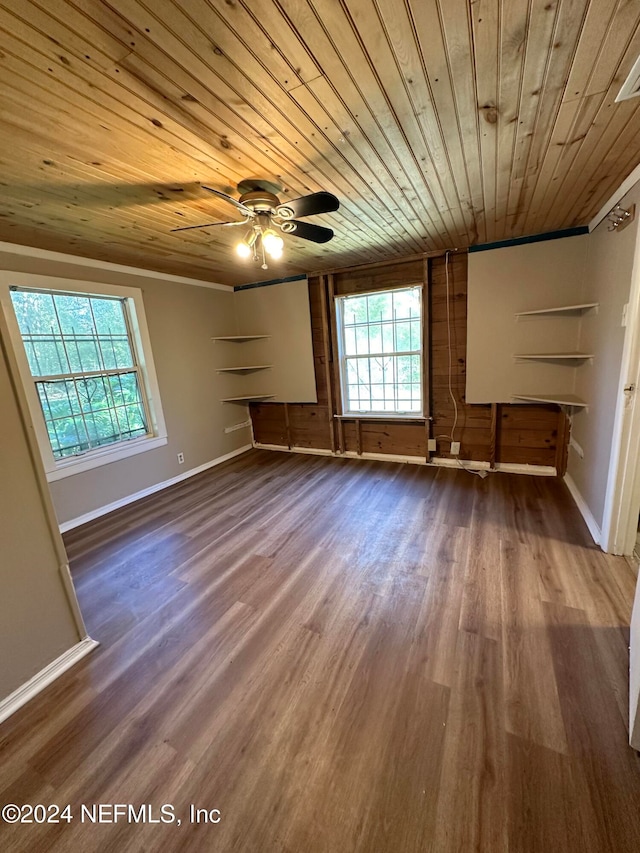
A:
{"points": [[437, 123]]}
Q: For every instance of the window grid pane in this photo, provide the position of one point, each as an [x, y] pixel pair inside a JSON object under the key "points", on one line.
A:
{"points": [[82, 414], [382, 357], [82, 360]]}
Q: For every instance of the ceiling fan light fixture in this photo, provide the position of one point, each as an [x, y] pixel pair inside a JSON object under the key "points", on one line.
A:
{"points": [[244, 249], [267, 218], [272, 242]]}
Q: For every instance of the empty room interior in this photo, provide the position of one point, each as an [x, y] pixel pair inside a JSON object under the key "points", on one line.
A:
{"points": [[320, 440]]}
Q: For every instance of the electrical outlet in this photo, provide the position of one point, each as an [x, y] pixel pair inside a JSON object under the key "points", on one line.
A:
{"points": [[455, 448], [433, 445], [181, 458]]}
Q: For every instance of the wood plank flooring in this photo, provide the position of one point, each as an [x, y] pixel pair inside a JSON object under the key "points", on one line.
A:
{"points": [[341, 656]]}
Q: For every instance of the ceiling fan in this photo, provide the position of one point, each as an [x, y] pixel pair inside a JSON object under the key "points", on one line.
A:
{"points": [[264, 213]]}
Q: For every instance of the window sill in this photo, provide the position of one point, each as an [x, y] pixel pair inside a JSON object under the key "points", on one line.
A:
{"points": [[78, 464], [367, 416]]}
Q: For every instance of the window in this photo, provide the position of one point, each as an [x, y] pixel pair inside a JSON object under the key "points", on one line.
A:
{"points": [[85, 362], [82, 360], [380, 344]]}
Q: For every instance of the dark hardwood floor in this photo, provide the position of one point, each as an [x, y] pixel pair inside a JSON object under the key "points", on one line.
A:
{"points": [[340, 656]]}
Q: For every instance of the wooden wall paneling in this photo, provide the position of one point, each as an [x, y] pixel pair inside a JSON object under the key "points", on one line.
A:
{"points": [[519, 433], [341, 436], [268, 423], [529, 434], [493, 453], [379, 265], [287, 425], [439, 337], [476, 416], [318, 339], [362, 280], [309, 425], [562, 448], [397, 439], [328, 358], [335, 359], [426, 348], [426, 351]]}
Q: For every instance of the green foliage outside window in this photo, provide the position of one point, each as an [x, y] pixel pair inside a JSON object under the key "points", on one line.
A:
{"points": [[81, 358]]}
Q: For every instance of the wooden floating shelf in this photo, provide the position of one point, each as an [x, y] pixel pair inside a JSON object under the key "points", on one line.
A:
{"points": [[247, 398], [239, 339], [553, 356], [559, 399], [249, 368], [562, 309]]}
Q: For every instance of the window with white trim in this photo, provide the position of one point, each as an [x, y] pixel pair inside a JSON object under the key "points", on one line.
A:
{"points": [[85, 361], [380, 347], [82, 360]]}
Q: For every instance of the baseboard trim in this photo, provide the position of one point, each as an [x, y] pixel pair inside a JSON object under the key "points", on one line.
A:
{"points": [[523, 468], [45, 677], [585, 512], [438, 462], [150, 490]]}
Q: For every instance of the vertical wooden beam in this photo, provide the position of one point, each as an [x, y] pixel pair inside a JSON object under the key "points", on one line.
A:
{"points": [[287, 425], [358, 437], [326, 343], [425, 340], [562, 443], [335, 362], [493, 446], [426, 353]]}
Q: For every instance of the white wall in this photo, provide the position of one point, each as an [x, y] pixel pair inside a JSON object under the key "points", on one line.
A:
{"points": [[182, 320], [589, 268], [37, 623], [281, 311], [503, 282], [607, 280]]}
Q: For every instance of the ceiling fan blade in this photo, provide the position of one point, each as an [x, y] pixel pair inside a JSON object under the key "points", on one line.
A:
{"points": [[209, 225], [246, 210], [315, 233], [308, 205]]}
